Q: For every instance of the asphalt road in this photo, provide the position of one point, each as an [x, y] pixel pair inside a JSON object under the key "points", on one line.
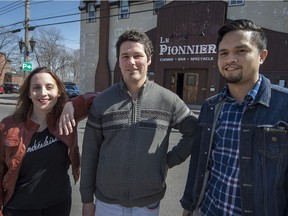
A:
{"points": [[176, 177]]}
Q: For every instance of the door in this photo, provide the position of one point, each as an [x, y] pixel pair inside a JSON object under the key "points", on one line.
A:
{"points": [[190, 85], [190, 89]]}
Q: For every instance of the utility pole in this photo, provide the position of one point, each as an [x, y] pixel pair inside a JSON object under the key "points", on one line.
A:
{"points": [[26, 44], [26, 37]]}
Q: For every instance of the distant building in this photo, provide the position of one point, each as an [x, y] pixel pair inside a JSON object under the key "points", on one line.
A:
{"points": [[183, 34], [4, 67], [7, 74]]}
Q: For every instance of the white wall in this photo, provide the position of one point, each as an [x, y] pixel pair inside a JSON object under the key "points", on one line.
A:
{"points": [[267, 14], [89, 53]]}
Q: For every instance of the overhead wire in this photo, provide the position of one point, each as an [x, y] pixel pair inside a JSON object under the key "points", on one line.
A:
{"points": [[78, 20], [9, 9], [15, 5], [10, 5], [59, 16]]}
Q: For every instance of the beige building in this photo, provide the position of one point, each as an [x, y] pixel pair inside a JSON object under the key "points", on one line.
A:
{"points": [[192, 22]]}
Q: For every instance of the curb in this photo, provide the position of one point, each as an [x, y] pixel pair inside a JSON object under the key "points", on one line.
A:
{"points": [[9, 99], [7, 103]]}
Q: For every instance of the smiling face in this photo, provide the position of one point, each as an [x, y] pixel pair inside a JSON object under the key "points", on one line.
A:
{"points": [[133, 63], [239, 58], [43, 92]]}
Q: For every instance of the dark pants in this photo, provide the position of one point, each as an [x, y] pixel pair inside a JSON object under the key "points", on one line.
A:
{"points": [[59, 209]]}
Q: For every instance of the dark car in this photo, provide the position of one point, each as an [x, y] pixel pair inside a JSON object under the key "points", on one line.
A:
{"points": [[1, 89], [72, 90], [11, 87]]}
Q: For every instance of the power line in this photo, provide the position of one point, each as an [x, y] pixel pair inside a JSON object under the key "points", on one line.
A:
{"points": [[79, 20], [135, 12], [59, 16], [19, 4], [45, 18], [40, 2], [10, 5], [11, 24], [12, 9]]}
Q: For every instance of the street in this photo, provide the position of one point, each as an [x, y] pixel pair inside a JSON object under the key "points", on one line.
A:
{"points": [[176, 178]]}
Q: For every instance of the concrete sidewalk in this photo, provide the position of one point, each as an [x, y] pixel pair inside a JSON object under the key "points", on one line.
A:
{"points": [[8, 99], [11, 99]]}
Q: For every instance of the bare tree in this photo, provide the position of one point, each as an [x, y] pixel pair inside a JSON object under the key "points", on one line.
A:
{"points": [[9, 47], [50, 50], [74, 65]]}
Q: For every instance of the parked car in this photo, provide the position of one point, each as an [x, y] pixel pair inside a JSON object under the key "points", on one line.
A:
{"points": [[1, 89], [72, 90], [11, 87]]}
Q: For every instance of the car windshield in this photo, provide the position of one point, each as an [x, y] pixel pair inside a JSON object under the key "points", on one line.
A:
{"points": [[70, 87]]}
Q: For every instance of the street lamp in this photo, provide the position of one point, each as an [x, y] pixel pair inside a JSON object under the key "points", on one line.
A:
{"points": [[22, 45], [32, 44], [25, 46]]}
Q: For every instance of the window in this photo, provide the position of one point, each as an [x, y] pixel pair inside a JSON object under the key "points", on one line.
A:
{"points": [[112, 1], [158, 4], [191, 80], [82, 5], [91, 13], [236, 2], [124, 9], [150, 75]]}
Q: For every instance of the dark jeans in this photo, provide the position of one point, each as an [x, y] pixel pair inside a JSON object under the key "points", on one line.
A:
{"points": [[59, 209]]}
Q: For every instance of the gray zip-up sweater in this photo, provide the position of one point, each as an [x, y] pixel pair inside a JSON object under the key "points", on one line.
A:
{"points": [[124, 156]]}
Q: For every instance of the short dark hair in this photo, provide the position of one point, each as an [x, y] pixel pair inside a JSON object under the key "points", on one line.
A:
{"points": [[258, 35], [135, 36]]}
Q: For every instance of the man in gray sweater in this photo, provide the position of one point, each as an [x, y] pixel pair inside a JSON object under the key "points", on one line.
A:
{"points": [[124, 156]]}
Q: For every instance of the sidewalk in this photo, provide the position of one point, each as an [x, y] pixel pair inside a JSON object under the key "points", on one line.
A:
{"points": [[8, 99], [195, 108], [11, 99]]}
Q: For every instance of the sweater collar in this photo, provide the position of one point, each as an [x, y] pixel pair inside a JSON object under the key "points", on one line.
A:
{"points": [[144, 88]]}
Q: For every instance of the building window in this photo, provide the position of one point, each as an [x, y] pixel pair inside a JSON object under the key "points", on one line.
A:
{"points": [[158, 4], [91, 13], [82, 5], [191, 80], [150, 75], [124, 9], [236, 2]]}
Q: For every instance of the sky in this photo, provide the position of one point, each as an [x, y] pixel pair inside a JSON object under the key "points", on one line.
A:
{"points": [[13, 11]]}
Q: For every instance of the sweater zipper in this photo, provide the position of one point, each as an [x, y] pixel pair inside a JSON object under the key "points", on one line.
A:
{"points": [[134, 104], [129, 160]]}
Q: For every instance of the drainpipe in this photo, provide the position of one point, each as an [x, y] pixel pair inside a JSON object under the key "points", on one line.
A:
{"points": [[103, 76]]}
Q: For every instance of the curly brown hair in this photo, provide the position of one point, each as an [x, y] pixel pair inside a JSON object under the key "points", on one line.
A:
{"points": [[24, 103]]}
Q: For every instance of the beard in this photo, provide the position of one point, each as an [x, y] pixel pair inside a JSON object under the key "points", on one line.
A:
{"points": [[234, 78]]}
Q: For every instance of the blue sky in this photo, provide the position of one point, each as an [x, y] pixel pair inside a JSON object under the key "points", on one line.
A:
{"points": [[14, 11]]}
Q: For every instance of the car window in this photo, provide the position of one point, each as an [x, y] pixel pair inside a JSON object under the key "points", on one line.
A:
{"points": [[70, 87]]}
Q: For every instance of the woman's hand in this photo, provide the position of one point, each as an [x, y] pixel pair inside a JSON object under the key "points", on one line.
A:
{"points": [[67, 121]]}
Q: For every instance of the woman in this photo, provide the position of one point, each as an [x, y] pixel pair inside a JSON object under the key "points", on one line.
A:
{"points": [[34, 154]]}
